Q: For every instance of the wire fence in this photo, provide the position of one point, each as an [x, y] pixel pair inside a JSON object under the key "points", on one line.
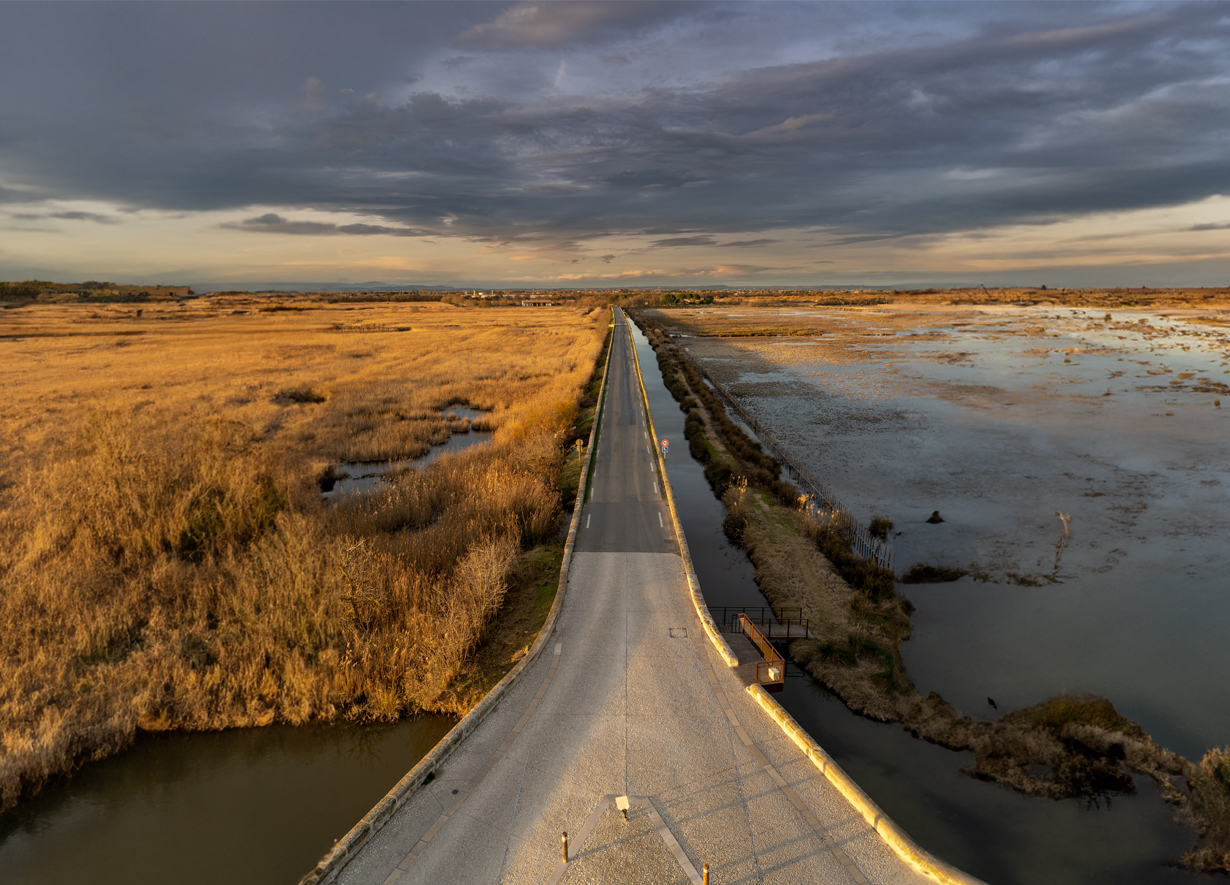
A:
{"points": [[820, 499]]}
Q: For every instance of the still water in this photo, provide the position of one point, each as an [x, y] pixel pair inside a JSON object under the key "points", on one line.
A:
{"points": [[363, 476], [992, 832], [1012, 423], [258, 806]]}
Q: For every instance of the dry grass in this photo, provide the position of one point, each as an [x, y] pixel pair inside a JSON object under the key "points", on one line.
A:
{"points": [[855, 649], [1211, 793], [165, 557]]}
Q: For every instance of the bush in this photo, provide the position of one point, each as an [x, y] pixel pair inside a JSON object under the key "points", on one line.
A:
{"points": [[932, 574]]}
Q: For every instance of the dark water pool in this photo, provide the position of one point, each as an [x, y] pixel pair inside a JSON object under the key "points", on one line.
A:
{"points": [[258, 806]]}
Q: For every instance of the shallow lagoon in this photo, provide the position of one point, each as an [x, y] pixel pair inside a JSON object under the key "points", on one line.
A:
{"points": [[1001, 419]]}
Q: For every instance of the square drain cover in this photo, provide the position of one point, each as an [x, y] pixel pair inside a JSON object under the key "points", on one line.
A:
{"points": [[679, 632]]}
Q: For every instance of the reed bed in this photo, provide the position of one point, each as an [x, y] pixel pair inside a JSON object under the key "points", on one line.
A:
{"points": [[166, 561]]}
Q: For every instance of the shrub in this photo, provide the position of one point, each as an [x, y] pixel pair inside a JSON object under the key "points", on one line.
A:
{"points": [[932, 574]]}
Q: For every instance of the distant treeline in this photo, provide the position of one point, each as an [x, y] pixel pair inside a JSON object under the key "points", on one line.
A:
{"points": [[91, 291]]}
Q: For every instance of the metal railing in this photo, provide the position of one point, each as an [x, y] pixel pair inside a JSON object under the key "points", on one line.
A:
{"points": [[771, 672], [821, 500], [787, 620]]}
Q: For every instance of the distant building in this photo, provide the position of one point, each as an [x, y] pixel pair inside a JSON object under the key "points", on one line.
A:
{"points": [[537, 303]]}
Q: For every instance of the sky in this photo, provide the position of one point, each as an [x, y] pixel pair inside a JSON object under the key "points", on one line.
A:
{"points": [[616, 144]]}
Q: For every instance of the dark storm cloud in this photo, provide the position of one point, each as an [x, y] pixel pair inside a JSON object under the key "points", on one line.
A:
{"points": [[684, 241], [84, 216], [273, 223], [95, 217], [982, 117]]}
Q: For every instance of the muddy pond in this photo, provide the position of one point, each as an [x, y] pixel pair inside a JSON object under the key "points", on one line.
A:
{"points": [[1002, 420]]}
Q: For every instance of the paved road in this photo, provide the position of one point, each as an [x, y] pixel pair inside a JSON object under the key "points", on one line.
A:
{"points": [[628, 700]]}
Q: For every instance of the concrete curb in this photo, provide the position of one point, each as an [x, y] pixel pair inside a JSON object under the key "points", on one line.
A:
{"points": [[327, 870], [698, 600], [920, 860]]}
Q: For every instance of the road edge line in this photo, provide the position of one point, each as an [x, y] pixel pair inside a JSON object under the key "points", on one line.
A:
{"points": [[345, 849]]}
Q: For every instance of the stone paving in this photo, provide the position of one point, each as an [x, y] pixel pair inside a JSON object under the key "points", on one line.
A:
{"points": [[631, 701]]}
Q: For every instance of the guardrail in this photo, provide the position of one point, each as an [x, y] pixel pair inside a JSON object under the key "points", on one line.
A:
{"points": [[788, 621], [771, 672], [821, 501]]}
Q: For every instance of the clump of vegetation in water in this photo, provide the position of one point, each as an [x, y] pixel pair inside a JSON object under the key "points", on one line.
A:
{"points": [[879, 527], [1211, 798], [921, 573]]}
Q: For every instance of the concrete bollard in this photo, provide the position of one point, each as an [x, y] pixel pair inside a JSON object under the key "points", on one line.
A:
{"points": [[563, 842], [705, 873]]}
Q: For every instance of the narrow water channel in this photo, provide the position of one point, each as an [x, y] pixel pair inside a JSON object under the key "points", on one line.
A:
{"points": [[256, 806], [998, 835], [353, 477]]}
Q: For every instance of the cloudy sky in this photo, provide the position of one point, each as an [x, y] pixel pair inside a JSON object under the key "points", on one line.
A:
{"points": [[624, 143]]}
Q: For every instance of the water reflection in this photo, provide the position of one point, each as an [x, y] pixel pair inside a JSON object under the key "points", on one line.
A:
{"points": [[252, 806], [1001, 420]]}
